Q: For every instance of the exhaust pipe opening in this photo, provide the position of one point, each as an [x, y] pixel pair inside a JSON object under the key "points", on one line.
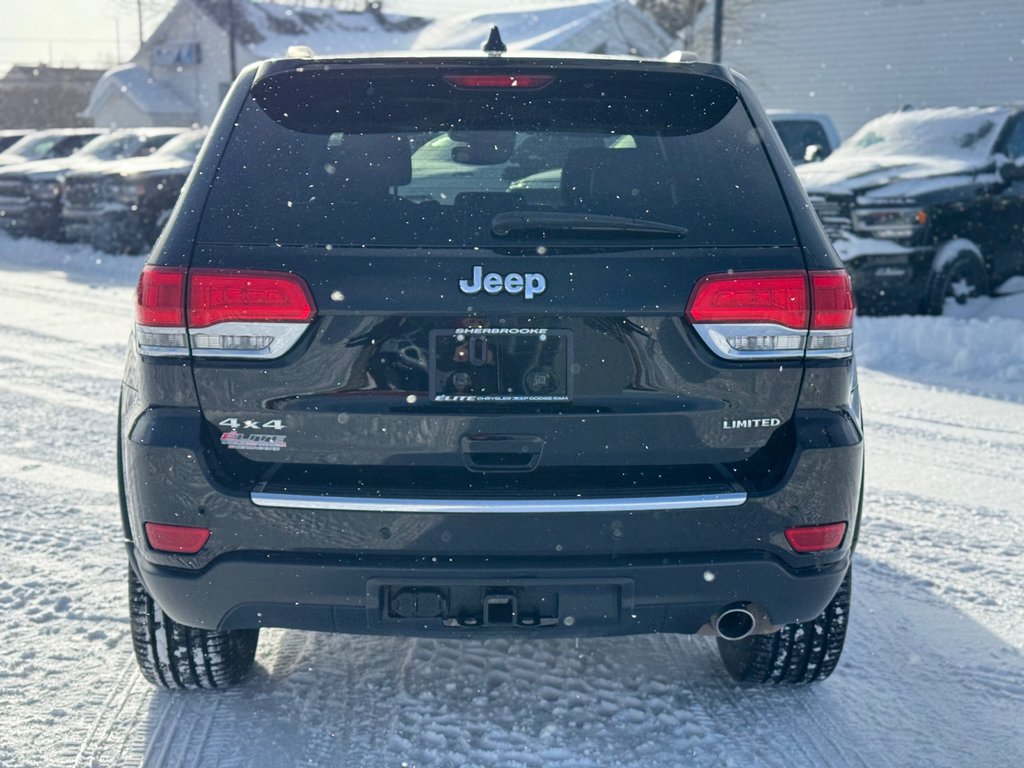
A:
{"points": [[735, 624]]}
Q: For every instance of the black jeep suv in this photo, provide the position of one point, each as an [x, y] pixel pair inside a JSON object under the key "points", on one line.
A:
{"points": [[373, 389], [926, 205]]}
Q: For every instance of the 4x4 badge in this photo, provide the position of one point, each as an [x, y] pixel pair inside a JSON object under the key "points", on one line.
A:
{"points": [[529, 284]]}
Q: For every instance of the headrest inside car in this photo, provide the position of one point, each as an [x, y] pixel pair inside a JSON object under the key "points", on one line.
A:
{"points": [[373, 160]]}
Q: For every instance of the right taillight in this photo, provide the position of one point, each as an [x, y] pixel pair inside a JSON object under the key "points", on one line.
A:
{"points": [[831, 332], [221, 313], [774, 314]]}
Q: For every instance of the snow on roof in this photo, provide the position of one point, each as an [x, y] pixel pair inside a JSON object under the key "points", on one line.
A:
{"points": [[267, 29], [548, 28], [138, 85], [902, 154], [954, 133]]}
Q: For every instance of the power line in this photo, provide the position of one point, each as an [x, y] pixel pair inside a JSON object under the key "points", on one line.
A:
{"points": [[106, 40]]}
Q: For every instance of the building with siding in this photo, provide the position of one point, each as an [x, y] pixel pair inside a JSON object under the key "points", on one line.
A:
{"points": [[858, 59], [45, 97]]}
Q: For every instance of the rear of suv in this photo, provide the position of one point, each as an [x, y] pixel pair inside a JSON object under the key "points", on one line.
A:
{"points": [[377, 387]]}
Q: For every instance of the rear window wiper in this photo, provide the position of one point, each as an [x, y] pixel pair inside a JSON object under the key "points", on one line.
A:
{"points": [[516, 222]]}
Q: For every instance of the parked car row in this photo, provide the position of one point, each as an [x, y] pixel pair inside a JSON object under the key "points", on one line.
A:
{"points": [[112, 189]]}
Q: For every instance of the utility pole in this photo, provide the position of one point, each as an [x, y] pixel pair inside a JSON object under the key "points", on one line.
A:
{"points": [[716, 46], [138, 7], [231, 40]]}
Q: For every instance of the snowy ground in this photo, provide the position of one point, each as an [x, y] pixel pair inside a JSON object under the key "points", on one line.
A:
{"points": [[933, 674]]}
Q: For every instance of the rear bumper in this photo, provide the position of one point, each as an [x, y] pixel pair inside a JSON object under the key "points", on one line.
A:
{"points": [[330, 563], [488, 597]]}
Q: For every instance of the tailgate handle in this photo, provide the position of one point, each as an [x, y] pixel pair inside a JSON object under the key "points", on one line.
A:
{"points": [[501, 453]]}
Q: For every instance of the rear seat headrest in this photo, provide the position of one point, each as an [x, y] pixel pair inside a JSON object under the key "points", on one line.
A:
{"points": [[615, 181], [377, 160]]}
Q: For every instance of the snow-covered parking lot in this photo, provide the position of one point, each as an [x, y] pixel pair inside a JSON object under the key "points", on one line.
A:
{"points": [[933, 674]]}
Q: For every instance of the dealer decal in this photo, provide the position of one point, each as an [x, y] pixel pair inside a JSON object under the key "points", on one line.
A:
{"points": [[238, 441], [255, 440]]}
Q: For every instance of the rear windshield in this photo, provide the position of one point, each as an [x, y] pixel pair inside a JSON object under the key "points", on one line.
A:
{"points": [[410, 158]]}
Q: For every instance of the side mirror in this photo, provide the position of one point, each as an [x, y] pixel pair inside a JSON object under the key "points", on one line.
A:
{"points": [[814, 153], [1011, 171]]}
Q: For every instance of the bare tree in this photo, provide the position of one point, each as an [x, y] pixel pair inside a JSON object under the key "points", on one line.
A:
{"points": [[674, 16], [147, 12]]}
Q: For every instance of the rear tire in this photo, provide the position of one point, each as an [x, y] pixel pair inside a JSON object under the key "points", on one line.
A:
{"points": [[962, 279], [174, 656], [797, 653]]}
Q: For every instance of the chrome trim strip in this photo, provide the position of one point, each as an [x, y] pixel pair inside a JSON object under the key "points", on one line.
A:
{"points": [[496, 506]]}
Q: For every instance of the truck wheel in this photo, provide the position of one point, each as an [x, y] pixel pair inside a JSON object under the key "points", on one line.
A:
{"points": [[172, 655], [963, 278], [797, 653]]}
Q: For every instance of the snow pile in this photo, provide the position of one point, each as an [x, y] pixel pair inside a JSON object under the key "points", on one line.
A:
{"points": [[80, 263], [976, 348]]}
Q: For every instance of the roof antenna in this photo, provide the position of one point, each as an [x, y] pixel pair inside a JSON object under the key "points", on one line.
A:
{"points": [[494, 44]]}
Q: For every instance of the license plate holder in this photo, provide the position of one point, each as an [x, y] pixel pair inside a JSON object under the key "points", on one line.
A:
{"points": [[501, 365]]}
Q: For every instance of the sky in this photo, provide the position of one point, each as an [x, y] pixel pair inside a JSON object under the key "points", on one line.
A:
{"points": [[70, 32], [102, 33]]}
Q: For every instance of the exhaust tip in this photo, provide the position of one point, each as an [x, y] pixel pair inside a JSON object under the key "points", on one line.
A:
{"points": [[735, 624]]}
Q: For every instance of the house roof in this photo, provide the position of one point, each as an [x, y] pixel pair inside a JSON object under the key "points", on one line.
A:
{"points": [[138, 86], [266, 29], [560, 27]]}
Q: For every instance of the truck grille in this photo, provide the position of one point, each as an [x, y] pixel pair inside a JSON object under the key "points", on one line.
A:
{"points": [[82, 191], [15, 188], [833, 213]]}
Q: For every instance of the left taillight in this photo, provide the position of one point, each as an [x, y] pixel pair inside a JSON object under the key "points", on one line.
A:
{"points": [[221, 313], [160, 312]]}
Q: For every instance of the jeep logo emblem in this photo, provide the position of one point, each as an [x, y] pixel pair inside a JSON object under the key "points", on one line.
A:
{"points": [[529, 284]]}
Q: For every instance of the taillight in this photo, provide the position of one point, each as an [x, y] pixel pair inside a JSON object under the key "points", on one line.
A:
{"points": [[496, 81], [160, 312], [246, 314], [225, 313], [831, 314], [816, 538], [777, 314]]}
